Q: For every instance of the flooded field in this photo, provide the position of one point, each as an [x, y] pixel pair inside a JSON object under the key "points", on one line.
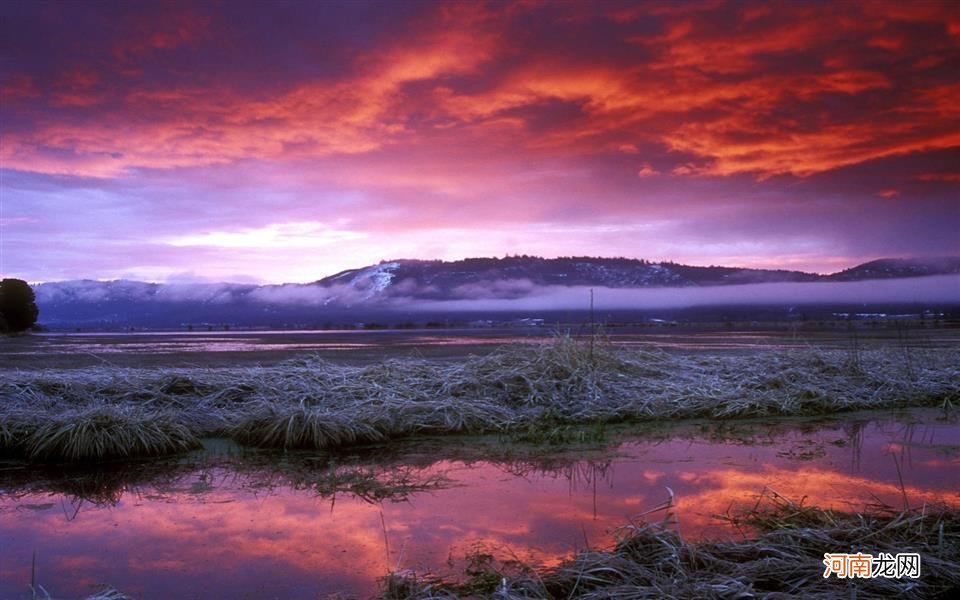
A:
{"points": [[219, 348], [227, 522], [231, 521]]}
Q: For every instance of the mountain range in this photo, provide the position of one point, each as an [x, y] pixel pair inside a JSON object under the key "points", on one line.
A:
{"points": [[437, 279], [406, 286]]}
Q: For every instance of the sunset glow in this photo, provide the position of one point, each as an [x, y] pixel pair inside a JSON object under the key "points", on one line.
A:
{"points": [[235, 533], [282, 142]]}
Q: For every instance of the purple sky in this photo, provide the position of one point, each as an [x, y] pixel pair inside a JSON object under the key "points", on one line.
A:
{"points": [[287, 141]]}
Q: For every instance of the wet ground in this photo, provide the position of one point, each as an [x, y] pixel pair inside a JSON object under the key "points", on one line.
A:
{"points": [[235, 523], [245, 348]]}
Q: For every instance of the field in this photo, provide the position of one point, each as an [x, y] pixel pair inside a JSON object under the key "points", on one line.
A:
{"points": [[153, 404]]}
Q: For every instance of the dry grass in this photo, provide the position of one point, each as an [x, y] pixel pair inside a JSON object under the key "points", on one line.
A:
{"points": [[308, 402], [109, 593], [782, 559], [105, 593], [301, 426], [108, 431]]}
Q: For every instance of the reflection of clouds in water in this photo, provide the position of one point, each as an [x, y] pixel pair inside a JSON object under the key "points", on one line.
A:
{"points": [[237, 534], [306, 341], [148, 343], [173, 347]]}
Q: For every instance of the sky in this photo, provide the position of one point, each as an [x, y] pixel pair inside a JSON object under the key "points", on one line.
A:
{"points": [[286, 141]]}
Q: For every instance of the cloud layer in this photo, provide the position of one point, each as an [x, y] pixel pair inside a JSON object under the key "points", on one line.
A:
{"points": [[288, 142]]}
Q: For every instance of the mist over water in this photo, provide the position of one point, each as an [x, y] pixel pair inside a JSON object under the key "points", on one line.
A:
{"points": [[917, 290], [495, 295]]}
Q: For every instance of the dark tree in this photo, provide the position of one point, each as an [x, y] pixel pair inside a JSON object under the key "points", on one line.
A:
{"points": [[18, 309]]}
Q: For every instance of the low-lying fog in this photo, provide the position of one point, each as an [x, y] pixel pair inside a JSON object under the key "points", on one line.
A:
{"points": [[917, 290], [508, 295]]}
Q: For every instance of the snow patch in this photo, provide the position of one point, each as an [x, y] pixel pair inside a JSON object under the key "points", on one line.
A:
{"points": [[374, 280]]}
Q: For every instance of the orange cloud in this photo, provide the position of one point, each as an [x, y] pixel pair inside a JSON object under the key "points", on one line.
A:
{"points": [[196, 126], [772, 95], [19, 86], [887, 43]]}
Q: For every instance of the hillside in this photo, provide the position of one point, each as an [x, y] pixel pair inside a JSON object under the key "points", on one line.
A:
{"points": [[410, 287]]}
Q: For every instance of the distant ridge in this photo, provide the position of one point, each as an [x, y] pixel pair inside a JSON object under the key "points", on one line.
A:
{"points": [[436, 279], [888, 268], [400, 286]]}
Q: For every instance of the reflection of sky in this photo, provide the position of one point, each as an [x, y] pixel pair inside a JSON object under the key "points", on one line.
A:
{"points": [[198, 342], [238, 538]]}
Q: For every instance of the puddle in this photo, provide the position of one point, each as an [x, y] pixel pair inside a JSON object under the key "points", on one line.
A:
{"points": [[250, 525]]}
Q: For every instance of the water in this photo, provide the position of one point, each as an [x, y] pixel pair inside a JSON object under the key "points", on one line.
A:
{"points": [[255, 526], [233, 348]]}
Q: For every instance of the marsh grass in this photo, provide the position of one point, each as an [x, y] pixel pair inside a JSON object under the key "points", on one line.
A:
{"points": [[37, 592], [780, 558], [108, 430], [542, 391], [551, 431], [109, 593]]}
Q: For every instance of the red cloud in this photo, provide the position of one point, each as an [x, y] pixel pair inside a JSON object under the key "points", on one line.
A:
{"points": [[19, 87], [162, 32], [779, 92], [646, 170], [950, 177]]}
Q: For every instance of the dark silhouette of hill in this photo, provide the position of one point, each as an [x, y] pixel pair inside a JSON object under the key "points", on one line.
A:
{"points": [[406, 289]]}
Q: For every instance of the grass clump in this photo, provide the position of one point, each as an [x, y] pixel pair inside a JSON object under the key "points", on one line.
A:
{"points": [[781, 559], [544, 391], [108, 431], [301, 426], [17, 423]]}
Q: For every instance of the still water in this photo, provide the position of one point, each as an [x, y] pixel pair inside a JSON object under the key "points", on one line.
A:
{"points": [[230, 523], [234, 348]]}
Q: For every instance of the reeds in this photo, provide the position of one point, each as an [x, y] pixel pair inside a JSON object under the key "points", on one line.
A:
{"points": [[105, 593], [308, 402], [783, 559], [301, 426], [106, 431]]}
